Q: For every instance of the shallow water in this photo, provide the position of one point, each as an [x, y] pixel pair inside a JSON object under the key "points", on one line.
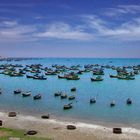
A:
{"points": [[104, 91]]}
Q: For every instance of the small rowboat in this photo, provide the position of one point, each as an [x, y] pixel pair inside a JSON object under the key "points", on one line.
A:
{"points": [[129, 101], [36, 97], [117, 130], [18, 91], [71, 97], [112, 103], [98, 78], [26, 94], [57, 94], [93, 100], [63, 96], [73, 89], [68, 106]]}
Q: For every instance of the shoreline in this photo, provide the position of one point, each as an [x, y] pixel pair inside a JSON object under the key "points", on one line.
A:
{"points": [[60, 118], [56, 129]]}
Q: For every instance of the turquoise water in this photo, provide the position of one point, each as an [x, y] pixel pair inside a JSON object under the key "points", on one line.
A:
{"points": [[105, 91]]}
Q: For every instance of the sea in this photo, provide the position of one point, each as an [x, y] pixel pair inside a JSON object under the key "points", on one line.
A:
{"points": [[106, 91]]}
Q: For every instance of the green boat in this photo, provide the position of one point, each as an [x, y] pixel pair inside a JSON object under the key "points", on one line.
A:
{"points": [[98, 78], [126, 77]]}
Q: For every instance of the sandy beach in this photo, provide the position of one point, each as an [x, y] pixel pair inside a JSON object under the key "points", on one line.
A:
{"points": [[56, 130]]}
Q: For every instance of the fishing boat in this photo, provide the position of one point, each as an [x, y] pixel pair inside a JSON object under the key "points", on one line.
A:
{"points": [[57, 94], [39, 77], [71, 127], [71, 97], [29, 76], [129, 101], [117, 130], [126, 77], [18, 91], [61, 77], [98, 78], [93, 100], [73, 89], [51, 73], [47, 116], [36, 97], [113, 76], [72, 77], [63, 96], [97, 71], [136, 72], [26, 94], [79, 72], [68, 106], [112, 103], [16, 74]]}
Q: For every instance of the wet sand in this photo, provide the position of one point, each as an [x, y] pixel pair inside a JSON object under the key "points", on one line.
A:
{"points": [[57, 130]]}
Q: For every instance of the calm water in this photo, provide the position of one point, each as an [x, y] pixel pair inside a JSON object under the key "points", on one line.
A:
{"points": [[105, 92]]}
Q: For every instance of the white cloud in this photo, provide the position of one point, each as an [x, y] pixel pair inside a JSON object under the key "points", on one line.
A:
{"points": [[127, 31], [12, 31], [90, 28], [64, 31], [95, 22], [8, 23], [122, 9], [124, 31]]}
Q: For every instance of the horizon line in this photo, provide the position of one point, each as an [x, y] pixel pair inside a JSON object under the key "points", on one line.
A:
{"points": [[72, 57]]}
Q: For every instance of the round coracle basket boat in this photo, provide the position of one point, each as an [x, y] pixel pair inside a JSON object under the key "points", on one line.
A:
{"points": [[71, 127], [117, 130], [45, 116], [31, 132], [12, 114]]}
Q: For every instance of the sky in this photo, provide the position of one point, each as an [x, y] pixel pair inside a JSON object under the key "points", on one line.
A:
{"points": [[70, 28]]}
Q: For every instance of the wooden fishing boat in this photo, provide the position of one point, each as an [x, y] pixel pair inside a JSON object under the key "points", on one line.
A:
{"points": [[26, 94], [61, 77], [71, 97], [63, 96], [113, 76], [117, 130], [126, 78], [71, 127], [18, 91], [29, 76], [36, 97], [57, 94], [72, 78], [16, 75], [112, 103], [73, 89], [98, 78], [98, 72], [45, 116], [68, 106], [31, 132], [51, 73], [129, 101], [12, 114], [79, 72], [93, 100], [39, 77]]}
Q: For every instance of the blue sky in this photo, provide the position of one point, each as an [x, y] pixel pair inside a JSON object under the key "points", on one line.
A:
{"points": [[70, 28]]}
